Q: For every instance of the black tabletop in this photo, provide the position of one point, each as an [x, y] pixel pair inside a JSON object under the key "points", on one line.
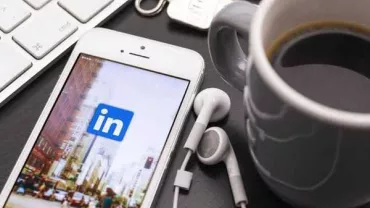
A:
{"points": [[210, 187]]}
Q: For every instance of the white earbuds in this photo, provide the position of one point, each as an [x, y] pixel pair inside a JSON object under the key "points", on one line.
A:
{"points": [[211, 104], [215, 147]]}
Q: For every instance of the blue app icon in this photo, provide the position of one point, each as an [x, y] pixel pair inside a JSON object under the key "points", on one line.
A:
{"points": [[110, 122]]}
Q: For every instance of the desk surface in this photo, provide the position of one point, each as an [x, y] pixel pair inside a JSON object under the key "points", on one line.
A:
{"points": [[210, 186]]}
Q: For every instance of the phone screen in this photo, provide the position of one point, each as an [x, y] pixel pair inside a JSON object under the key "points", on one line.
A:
{"points": [[103, 138]]}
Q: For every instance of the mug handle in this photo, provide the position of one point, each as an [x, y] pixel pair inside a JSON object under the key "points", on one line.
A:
{"points": [[226, 53]]}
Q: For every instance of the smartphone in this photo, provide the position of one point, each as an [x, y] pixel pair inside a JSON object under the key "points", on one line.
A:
{"points": [[107, 132]]}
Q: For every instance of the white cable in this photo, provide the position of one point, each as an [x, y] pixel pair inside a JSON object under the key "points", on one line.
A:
{"points": [[186, 160], [177, 188], [176, 197], [243, 205]]}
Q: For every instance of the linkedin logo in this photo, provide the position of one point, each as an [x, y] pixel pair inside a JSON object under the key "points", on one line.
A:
{"points": [[110, 122]]}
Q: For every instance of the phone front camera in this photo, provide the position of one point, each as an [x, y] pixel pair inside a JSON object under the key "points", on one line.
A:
{"points": [[142, 47]]}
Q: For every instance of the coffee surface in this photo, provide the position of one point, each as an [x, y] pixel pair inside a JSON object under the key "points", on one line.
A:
{"points": [[328, 64]]}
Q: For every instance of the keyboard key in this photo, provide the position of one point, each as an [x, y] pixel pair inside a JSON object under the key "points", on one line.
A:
{"points": [[37, 4], [12, 65], [84, 10], [11, 15], [43, 33]]}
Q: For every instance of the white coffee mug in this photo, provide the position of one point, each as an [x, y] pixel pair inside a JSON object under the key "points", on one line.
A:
{"points": [[310, 154]]}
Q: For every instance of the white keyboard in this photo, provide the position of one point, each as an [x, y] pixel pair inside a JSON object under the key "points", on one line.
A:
{"points": [[34, 33]]}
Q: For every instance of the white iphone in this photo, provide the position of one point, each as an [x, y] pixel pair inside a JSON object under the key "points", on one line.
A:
{"points": [[107, 132]]}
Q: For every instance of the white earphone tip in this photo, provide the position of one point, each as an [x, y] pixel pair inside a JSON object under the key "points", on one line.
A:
{"points": [[219, 98], [209, 144], [213, 146]]}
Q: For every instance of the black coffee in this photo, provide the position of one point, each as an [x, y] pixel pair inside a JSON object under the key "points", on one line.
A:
{"points": [[329, 63]]}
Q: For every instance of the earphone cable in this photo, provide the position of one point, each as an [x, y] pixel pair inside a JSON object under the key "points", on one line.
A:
{"points": [[243, 205], [186, 160], [176, 197], [182, 168]]}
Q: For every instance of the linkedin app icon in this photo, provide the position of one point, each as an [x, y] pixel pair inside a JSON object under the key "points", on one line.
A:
{"points": [[110, 122]]}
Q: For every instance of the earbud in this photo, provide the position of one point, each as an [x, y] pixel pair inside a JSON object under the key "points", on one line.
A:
{"points": [[215, 147], [211, 104]]}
